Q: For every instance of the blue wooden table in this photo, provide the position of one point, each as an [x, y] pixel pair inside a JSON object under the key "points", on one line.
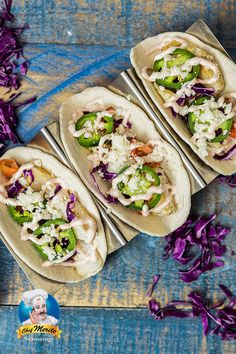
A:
{"points": [[108, 313]]}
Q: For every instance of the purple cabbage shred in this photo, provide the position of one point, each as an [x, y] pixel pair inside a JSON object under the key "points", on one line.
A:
{"points": [[103, 171], [11, 52], [227, 155], [206, 91], [201, 234], [222, 314], [107, 197], [230, 180], [154, 283], [14, 189], [28, 174], [12, 66], [70, 205]]}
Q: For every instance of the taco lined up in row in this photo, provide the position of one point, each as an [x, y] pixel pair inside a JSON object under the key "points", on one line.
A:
{"points": [[122, 159], [44, 219], [193, 86]]}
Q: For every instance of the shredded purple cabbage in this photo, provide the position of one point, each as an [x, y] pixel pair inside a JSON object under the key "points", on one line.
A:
{"points": [[12, 66], [230, 180], [197, 233], [107, 197], [28, 174], [199, 90], [119, 122], [206, 91], [11, 52], [70, 205], [154, 283], [56, 190], [103, 170], [14, 189], [227, 155], [17, 187], [223, 314]]}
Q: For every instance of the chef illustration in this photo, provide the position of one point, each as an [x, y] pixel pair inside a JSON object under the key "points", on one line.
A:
{"points": [[37, 300]]}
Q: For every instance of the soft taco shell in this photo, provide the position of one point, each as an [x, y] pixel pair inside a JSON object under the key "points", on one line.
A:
{"points": [[139, 60], [24, 249], [144, 130]]}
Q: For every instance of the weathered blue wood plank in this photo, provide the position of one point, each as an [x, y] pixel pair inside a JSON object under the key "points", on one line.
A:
{"points": [[59, 71], [114, 331], [123, 22]]}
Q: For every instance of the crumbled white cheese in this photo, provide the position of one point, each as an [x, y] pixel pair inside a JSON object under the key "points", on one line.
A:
{"points": [[30, 199], [50, 252]]}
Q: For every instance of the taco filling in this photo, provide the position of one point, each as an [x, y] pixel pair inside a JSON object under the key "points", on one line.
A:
{"points": [[50, 215], [134, 171], [190, 82]]}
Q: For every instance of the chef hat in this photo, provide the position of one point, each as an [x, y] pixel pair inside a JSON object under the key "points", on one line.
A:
{"points": [[34, 297]]}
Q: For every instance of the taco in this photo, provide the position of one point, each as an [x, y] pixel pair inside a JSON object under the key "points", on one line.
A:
{"points": [[192, 85], [122, 159], [44, 217]]}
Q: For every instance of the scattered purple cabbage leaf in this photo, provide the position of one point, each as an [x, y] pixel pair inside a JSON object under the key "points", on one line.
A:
{"points": [[222, 314], [12, 66], [197, 233], [153, 285], [230, 180]]}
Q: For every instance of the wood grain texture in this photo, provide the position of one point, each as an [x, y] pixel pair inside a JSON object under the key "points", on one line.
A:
{"points": [[127, 273], [121, 22], [113, 331]]}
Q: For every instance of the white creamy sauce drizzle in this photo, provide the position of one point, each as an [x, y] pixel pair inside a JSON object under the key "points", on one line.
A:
{"points": [[102, 110], [87, 221], [165, 42]]}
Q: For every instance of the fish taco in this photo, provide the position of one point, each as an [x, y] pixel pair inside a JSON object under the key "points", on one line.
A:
{"points": [[122, 159], [193, 86], [48, 217]]}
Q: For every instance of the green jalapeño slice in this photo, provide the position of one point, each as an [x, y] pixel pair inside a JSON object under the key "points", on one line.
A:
{"points": [[95, 133], [139, 183], [178, 58]]}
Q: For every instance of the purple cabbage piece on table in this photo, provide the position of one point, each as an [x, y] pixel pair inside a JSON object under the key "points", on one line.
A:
{"points": [[154, 283], [230, 180], [222, 315], [11, 59], [197, 233]]}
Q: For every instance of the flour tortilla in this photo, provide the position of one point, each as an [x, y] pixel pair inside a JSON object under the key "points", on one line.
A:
{"points": [[24, 249], [144, 130], [139, 60]]}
